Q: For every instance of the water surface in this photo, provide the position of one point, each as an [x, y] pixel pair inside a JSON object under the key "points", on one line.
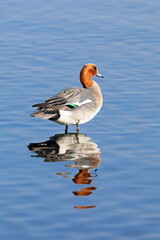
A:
{"points": [[105, 183]]}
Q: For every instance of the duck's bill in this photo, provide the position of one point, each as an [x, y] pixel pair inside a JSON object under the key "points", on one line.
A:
{"points": [[99, 75]]}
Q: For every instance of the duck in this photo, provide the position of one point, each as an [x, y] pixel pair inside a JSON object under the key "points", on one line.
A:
{"points": [[74, 105]]}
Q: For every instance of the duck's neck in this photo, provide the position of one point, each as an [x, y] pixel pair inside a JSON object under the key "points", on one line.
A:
{"points": [[86, 79]]}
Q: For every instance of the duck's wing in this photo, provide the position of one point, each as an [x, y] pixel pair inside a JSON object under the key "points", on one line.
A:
{"points": [[68, 95], [65, 100]]}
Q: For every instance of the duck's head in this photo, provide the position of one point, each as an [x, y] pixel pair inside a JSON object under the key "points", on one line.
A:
{"points": [[88, 71]]}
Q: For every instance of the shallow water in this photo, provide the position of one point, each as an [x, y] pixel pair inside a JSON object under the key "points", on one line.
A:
{"points": [[103, 184]]}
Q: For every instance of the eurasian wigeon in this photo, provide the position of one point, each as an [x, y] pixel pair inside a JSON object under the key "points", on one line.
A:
{"points": [[74, 105]]}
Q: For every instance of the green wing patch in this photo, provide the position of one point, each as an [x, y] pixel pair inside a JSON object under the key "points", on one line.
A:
{"points": [[72, 106]]}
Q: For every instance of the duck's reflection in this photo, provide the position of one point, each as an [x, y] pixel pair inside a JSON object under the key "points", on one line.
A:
{"points": [[84, 154]]}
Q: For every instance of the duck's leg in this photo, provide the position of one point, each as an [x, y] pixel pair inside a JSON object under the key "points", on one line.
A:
{"points": [[66, 129], [77, 127]]}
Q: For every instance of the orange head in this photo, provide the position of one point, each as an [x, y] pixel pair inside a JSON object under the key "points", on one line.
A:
{"points": [[88, 71]]}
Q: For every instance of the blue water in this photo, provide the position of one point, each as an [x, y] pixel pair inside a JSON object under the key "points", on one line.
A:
{"points": [[106, 184]]}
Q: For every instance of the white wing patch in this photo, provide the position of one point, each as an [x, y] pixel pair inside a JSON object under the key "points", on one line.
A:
{"points": [[84, 102]]}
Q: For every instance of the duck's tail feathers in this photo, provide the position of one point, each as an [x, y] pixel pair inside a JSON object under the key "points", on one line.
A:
{"points": [[54, 115]]}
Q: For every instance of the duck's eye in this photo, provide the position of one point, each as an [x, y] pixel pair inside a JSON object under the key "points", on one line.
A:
{"points": [[95, 68]]}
